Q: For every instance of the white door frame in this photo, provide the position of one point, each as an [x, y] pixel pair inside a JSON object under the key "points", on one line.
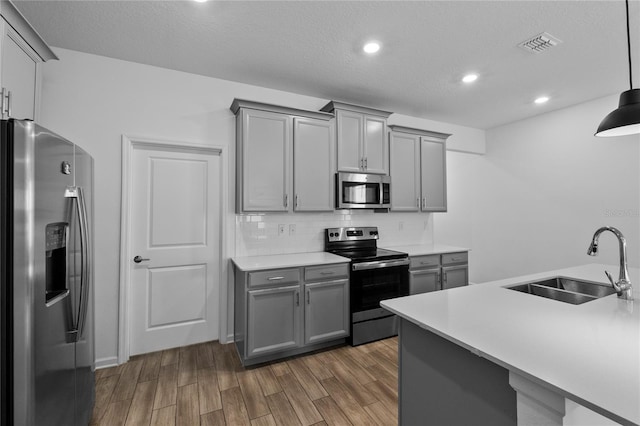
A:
{"points": [[129, 144]]}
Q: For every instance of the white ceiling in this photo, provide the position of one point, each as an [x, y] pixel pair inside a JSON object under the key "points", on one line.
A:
{"points": [[314, 48]]}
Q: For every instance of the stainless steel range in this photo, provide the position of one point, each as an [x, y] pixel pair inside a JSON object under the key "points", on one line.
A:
{"points": [[376, 274]]}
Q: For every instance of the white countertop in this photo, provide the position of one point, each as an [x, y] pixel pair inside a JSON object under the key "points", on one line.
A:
{"points": [[589, 353], [292, 260], [424, 249]]}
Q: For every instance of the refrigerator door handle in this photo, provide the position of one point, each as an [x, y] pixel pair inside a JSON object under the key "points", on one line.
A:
{"points": [[76, 194]]}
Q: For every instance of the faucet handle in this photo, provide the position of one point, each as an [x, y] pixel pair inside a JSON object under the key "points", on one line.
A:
{"points": [[613, 283]]}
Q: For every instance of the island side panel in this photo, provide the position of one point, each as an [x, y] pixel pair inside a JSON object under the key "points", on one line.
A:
{"points": [[441, 383]]}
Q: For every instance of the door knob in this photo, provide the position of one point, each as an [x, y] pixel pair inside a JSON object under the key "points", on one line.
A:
{"points": [[139, 259]]}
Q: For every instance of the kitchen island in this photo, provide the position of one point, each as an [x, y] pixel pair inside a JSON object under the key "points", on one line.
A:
{"points": [[484, 354]]}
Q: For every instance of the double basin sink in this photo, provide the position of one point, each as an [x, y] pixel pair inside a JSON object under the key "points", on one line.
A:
{"points": [[565, 290]]}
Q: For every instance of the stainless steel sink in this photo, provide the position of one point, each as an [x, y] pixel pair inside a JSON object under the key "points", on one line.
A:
{"points": [[565, 290]]}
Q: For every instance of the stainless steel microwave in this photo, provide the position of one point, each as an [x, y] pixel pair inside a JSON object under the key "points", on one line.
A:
{"points": [[362, 191]]}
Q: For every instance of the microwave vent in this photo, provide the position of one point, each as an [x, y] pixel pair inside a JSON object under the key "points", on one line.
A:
{"points": [[539, 43]]}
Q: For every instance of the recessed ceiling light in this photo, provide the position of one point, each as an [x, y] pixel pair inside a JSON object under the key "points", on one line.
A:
{"points": [[470, 78], [541, 99], [371, 47], [200, 1]]}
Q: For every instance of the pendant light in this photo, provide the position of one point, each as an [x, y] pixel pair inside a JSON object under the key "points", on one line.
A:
{"points": [[626, 119]]}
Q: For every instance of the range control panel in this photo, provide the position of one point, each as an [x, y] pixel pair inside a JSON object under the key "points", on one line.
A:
{"points": [[352, 234]]}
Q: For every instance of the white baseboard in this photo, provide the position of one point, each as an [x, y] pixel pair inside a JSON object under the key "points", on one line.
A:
{"points": [[111, 361]]}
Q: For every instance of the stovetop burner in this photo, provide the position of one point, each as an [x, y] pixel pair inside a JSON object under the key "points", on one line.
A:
{"points": [[369, 254], [358, 244]]}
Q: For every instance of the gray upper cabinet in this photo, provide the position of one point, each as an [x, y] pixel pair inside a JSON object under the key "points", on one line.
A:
{"points": [[264, 180], [404, 159], [423, 177], [361, 135], [433, 159], [265, 143], [22, 50], [313, 164]]}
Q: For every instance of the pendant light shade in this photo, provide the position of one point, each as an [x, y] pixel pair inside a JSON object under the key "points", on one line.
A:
{"points": [[626, 119]]}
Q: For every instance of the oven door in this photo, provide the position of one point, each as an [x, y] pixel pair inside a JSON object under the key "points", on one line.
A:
{"points": [[370, 286]]}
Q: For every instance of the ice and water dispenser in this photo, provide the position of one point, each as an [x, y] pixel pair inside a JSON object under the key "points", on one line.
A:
{"points": [[56, 255]]}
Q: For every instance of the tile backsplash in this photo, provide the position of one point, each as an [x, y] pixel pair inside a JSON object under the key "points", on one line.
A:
{"points": [[264, 234]]}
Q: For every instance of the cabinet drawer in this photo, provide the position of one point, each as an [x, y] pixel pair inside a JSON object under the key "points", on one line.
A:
{"points": [[429, 261], [274, 277], [329, 272], [452, 258]]}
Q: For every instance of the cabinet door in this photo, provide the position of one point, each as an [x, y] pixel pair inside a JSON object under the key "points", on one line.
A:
{"points": [[404, 161], [18, 74], [376, 148], [434, 174], [273, 320], [326, 314], [313, 164], [424, 281], [455, 276], [265, 161], [350, 137]]}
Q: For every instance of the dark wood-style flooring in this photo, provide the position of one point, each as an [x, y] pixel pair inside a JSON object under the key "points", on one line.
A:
{"points": [[205, 384]]}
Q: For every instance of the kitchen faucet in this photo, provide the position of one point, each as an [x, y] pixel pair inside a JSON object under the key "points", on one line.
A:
{"points": [[623, 286]]}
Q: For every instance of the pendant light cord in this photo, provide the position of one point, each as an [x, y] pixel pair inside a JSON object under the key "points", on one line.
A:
{"points": [[629, 45]]}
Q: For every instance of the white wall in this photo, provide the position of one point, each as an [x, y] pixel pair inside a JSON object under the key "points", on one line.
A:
{"points": [[94, 100], [542, 189]]}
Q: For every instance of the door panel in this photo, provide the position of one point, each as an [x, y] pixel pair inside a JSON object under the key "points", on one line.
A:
{"points": [[273, 320], [349, 141], [424, 281], [375, 145], [85, 347], [434, 175], [171, 304], [314, 165], [178, 182], [53, 354], [455, 276], [405, 172], [175, 214], [265, 161], [326, 311]]}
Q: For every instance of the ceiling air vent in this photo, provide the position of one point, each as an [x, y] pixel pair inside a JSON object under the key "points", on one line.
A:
{"points": [[539, 43]]}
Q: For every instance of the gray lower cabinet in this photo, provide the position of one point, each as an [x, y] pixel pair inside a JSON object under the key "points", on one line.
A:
{"points": [[273, 320], [284, 312], [326, 314], [438, 272]]}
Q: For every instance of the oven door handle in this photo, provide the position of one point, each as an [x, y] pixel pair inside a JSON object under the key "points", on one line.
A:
{"points": [[379, 264]]}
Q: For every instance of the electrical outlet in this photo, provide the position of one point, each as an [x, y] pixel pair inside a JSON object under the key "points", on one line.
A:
{"points": [[292, 229], [281, 229], [400, 226]]}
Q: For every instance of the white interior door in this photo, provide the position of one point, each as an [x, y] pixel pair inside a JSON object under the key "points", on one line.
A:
{"points": [[175, 227]]}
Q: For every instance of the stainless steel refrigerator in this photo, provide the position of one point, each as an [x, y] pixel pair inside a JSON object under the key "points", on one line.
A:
{"points": [[46, 318]]}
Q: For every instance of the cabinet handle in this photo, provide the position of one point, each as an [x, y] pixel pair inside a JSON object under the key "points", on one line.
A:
{"points": [[308, 297], [297, 298], [444, 277], [418, 202], [286, 200], [456, 258], [365, 163], [275, 278], [6, 103], [361, 163], [424, 202], [296, 201], [326, 273], [9, 103]]}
